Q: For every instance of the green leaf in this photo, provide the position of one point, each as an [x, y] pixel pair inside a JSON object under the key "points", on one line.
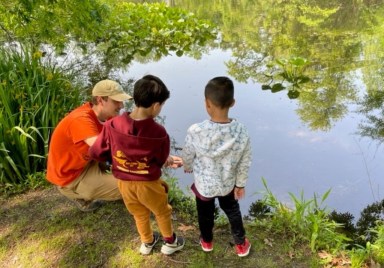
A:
{"points": [[303, 79], [298, 61], [293, 94], [24, 133], [277, 87], [265, 87], [281, 62]]}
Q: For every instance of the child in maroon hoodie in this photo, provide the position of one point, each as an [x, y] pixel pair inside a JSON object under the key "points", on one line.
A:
{"points": [[138, 148]]}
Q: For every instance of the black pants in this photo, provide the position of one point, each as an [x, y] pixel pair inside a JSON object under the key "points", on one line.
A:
{"points": [[206, 211]]}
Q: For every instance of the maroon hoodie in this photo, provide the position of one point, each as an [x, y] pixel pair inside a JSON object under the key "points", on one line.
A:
{"points": [[137, 148]]}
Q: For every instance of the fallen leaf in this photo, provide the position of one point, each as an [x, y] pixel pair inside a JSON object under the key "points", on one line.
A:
{"points": [[324, 255], [268, 242], [185, 228]]}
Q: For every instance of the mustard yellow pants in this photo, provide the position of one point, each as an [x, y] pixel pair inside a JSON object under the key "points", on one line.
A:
{"points": [[143, 197]]}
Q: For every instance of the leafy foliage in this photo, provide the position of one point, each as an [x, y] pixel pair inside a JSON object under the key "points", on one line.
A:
{"points": [[33, 98], [370, 217], [377, 246], [372, 107], [341, 40], [113, 30], [346, 221], [291, 75], [52, 22], [259, 210], [145, 29]]}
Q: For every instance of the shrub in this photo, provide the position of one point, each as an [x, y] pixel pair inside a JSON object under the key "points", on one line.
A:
{"points": [[369, 217], [258, 210]]}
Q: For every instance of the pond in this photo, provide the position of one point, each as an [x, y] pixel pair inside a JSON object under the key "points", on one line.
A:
{"points": [[326, 137]]}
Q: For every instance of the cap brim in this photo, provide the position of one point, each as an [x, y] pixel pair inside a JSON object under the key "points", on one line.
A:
{"points": [[120, 97]]}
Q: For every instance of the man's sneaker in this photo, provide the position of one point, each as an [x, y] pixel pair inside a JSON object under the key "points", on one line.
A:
{"points": [[242, 250], [146, 248], [87, 206], [206, 246], [177, 245]]}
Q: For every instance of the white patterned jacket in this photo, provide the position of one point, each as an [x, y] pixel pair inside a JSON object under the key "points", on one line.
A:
{"points": [[219, 155]]}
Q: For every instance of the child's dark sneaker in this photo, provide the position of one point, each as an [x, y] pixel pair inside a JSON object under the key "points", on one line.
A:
{"points": [[177, 245], [242, 250], [87, 205], [206, 246], [146, 248]]}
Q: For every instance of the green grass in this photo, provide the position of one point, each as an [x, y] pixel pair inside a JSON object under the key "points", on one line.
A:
{"points": [[42, 229]]}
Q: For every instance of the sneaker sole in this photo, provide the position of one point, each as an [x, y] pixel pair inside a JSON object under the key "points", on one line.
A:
{"points": [[169, 251], [148, 250], [206, 249], [245, 254]]}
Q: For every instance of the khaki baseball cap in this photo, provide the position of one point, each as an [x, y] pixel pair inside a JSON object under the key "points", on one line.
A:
{"points": [[110, 88]]}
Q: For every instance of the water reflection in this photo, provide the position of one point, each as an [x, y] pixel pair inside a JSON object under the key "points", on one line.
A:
{"points": [[339, 39], [291, 156], [307, 143]]}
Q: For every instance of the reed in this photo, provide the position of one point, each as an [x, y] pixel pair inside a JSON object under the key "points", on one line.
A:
{"points": [[304, 221], [34, 96]]}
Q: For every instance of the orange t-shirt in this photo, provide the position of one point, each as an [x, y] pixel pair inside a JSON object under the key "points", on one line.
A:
{"points": [[68, 153]]}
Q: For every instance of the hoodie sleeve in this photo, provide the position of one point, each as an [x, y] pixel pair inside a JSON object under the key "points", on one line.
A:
{"points": [[164, 151], [188, 153], [101, 149], [244, 163]]}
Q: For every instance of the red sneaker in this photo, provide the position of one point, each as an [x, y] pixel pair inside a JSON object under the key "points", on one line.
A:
{"points": [[242, 250], [206, 246]]}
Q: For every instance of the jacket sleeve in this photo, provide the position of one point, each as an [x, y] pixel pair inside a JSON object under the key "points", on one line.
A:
{"points": [[188, 152], [244, 163], [101, 149]]}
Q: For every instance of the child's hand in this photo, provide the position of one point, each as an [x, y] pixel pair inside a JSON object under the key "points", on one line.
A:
{"points": [[239, 193], [173, 162], [188, 171], [177, 161]]}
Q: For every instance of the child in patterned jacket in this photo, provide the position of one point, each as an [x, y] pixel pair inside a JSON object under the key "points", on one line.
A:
{"points": [[218, 152]]}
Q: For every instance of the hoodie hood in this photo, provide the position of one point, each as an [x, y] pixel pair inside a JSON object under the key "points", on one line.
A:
{"points": [[216, 140]]}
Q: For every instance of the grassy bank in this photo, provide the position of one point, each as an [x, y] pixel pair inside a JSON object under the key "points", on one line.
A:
{"points": [[42, 229]]}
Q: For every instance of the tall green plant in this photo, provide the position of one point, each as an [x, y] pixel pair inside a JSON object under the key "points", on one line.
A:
{"points": [[307, 221], [33, 98]]}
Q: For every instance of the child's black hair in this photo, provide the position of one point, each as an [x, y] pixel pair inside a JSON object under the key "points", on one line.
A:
{"points": [[148, 90], [220, 91]]}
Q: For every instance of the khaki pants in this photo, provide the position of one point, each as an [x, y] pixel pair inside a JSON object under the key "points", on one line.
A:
{"points": [[92, 184], [143, 197]]}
